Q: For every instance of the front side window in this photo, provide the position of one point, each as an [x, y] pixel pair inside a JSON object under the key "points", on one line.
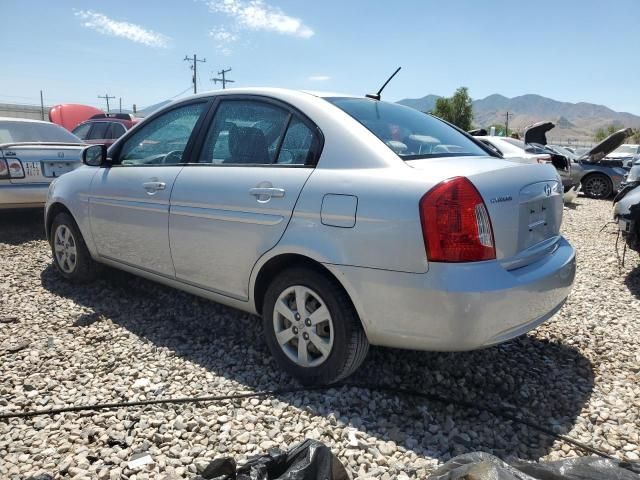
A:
{"points": [[162, 141], [82, 131], [245, 132], [408, 132]]}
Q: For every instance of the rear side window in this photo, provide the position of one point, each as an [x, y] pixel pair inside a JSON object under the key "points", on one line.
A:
{"points": [[245, 132], [409, 133], [300, 145]]}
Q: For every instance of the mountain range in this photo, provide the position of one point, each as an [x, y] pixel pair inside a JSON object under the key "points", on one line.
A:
{"points": [[574, 121]]}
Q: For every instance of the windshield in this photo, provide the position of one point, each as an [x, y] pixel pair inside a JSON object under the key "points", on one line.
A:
{"points": [[630, 149], [35, 132], [408, 132]]}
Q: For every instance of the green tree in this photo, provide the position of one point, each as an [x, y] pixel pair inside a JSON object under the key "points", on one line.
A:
{"points": [[457, 109]]}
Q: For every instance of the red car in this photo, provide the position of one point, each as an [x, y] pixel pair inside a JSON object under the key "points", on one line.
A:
{"points": [[104, 128]]}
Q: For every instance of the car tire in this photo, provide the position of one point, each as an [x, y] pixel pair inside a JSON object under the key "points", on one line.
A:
{"points": [[333, 348], [70, 254], [597, 185]]}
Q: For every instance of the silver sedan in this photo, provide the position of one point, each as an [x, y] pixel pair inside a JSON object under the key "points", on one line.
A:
{"points": [[342, 221]]}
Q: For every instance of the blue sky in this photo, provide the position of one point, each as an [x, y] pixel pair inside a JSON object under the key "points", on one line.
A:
{"points": [[569, 50]]}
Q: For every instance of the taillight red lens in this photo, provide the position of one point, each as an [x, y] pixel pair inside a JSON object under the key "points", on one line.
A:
{"points": [[15, 168], [4, 170], [455, 223]]}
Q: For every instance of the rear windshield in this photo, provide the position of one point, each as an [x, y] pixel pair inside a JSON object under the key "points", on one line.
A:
{"points": [[35, 132], [409, 133]]}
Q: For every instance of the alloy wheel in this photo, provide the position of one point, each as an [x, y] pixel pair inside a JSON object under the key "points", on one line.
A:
{"points": [[65, 249], [303, 326], [596, 187]]}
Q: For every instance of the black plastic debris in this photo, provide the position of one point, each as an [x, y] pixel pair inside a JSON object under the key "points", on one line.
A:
{"points": [[483, 466], [309, 460]]}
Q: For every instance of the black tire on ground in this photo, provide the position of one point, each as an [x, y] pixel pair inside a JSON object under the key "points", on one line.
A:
{"points": [[597, 185], [350, 344], [85, 269]]}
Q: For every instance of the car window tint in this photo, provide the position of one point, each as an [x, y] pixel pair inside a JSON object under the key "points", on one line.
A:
{"points": [[81, 131], [117, 130], [163, 140], [299, 145], [99, 131], [244, 132]]}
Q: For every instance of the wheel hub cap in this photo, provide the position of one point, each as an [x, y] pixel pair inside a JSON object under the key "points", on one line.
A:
{"points": [[64, 246], [303, 326]]}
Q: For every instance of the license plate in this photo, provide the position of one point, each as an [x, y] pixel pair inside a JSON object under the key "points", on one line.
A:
{"points": [[32, 169], [55, 169]]}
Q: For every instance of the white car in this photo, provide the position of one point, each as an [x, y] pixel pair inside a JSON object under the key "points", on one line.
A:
{"points": [[32, 154], [344, 221], [519, 151]]}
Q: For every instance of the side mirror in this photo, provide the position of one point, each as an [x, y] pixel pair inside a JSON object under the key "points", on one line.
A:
{"points": [[95, 155]]}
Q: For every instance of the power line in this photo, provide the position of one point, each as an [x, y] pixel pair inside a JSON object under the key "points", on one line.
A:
{"points": [[223, 80], [194, 67], [106, 96]]}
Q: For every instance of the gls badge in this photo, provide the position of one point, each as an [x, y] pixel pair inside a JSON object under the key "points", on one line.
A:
{"points": [[507, 198]]}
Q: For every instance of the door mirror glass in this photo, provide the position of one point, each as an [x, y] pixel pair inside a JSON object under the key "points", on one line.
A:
{"points": [[94, 155]]}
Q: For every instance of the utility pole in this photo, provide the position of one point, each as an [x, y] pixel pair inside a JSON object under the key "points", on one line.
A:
{"points": [[506, 130], [224, 79], [41, 105], [194, 67], [120, 104], [107, 97]]}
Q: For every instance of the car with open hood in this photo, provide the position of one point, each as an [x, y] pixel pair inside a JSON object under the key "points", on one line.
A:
{"points": [[33, 154], [535, 140], [599, 176], [343, 221], [627, 153]]}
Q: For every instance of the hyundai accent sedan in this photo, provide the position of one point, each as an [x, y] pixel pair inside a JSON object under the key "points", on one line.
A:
{"points": [[342, 221]]}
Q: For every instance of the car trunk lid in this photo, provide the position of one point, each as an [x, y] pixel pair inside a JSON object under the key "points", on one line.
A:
{"points": [[524, 201], [42, 162]]}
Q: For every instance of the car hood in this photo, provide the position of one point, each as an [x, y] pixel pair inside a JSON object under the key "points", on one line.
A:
{"points": [[607, 146], [537, 133]]}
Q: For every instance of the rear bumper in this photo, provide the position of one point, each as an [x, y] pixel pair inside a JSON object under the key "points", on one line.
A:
{"points": [[457, 307], [23, 195]]}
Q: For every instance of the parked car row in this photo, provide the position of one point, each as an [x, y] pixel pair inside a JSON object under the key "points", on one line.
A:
{"points": [[596, 171], [343, 221]]}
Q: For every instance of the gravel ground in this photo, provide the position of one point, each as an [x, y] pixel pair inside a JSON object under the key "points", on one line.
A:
{"points": [[124, 338]]}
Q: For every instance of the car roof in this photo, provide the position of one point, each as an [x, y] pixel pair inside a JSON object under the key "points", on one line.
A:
{"points": [[270, 91], [25, 120]]}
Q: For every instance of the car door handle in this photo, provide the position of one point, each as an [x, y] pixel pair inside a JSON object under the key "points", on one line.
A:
{"points": [[153, 187], [262, 192]]}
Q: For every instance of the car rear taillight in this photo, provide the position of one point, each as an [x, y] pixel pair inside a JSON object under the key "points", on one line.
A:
{"points": [[4, 169], [15, 168], [455, 223]]}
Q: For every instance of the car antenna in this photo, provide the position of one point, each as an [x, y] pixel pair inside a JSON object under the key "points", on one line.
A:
{"points": [[376, 96]]}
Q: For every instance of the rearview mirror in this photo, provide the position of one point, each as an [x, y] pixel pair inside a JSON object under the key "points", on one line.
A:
{"points": [[94, 155]]}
